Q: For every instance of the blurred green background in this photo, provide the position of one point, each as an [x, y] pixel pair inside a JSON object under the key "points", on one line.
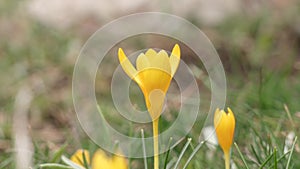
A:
{"points": [[257, 41]]}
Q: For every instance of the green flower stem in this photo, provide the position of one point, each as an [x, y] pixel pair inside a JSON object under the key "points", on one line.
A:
{"points": [[155, 143], [227, 159]]}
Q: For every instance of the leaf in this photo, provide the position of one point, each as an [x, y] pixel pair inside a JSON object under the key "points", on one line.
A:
{"points": [[241, 155], [58, 154], [291, 152], [182, 152], [54, 166], [71, 163]]}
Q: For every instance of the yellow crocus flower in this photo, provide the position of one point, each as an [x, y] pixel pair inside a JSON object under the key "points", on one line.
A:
{"points": [[77, 157], [153, 73], [100, 160], [224, 125]]}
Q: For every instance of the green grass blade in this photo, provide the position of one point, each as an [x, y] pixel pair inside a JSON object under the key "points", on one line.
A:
{"points": [[280, 158], [171, 163], [182, 152], [71, 163], [260, 141], [6, 162], [241, 155], [289, 114], [167, 153], [193, 154], [54, 166], [86, 165], [290, 156], [144, 149], [267, 160], [255, 154], [275, 158], [58, 154], [274, 140]]}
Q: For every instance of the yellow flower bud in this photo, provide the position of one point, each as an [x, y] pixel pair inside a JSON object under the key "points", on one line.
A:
{"points": [[224, 125], [100, 160]]}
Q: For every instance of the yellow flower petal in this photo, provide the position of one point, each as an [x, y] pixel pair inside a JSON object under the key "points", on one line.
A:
{"points": [[77, 157], [142, 62], [126, 64], [119, 162], [224, 125], [217, 116], [152, 79], [174, 59], [150, 53], [101, 161], [152, 59], [162, 61], [155, 84]]}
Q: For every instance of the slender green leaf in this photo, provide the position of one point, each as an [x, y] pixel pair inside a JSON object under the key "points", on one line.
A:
{"points": [[241, 155], [171, 163], [280, 158], [292, 150], [54, 166], [6, 162], [144, 149], [71, 163], [167, 153], [266, 162], [85, 163], [255, 154], [193, 154], [182, 152], [58, 154], [275, 158]]}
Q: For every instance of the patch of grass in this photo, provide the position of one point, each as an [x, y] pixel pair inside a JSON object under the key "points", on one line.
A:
{"points": [[261, 58]]}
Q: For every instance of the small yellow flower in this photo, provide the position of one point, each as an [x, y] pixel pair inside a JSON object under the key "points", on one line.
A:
{"points": [[153, 73], [77, 157], [100, 160], [224, 125]]}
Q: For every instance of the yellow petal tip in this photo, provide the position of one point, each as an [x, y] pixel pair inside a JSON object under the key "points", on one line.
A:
{"points": [[121, 54], [78, 157], [229, 110], [176, 50], [150, 53], [175, 59]]}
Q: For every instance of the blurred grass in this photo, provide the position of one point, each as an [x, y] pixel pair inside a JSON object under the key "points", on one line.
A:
{"points": [[260, 53]]}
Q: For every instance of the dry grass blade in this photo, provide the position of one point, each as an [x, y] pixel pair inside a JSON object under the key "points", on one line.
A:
{"points": [[23, 144]]}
